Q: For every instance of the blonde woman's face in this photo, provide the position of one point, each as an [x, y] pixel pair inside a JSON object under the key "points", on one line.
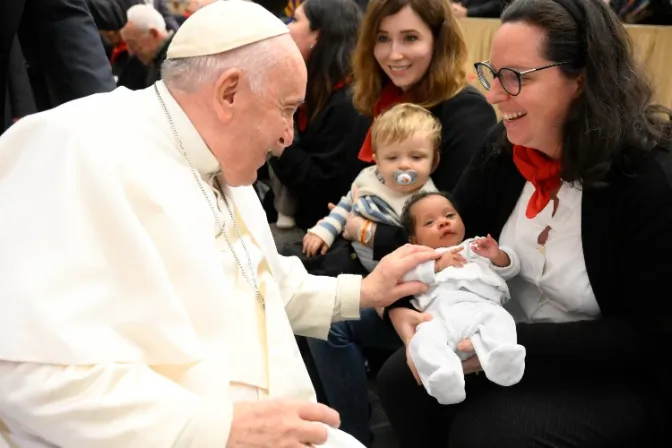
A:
{"points": [[404, 47]]}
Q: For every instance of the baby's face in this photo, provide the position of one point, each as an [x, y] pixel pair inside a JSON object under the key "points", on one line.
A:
{"points": [[437, 224], [415, 153]]}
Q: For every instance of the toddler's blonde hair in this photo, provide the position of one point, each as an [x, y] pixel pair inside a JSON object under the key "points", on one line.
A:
{"points": [[401, 122]]}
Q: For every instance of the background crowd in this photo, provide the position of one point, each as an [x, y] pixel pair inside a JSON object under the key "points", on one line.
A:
{"points": [[48, 54]]}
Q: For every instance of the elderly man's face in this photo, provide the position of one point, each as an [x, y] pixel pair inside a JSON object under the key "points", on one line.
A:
{"points": [[143, 44], [259, 122]]}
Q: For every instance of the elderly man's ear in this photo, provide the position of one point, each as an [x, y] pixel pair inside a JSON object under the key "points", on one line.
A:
{"points": [[226, 90]]}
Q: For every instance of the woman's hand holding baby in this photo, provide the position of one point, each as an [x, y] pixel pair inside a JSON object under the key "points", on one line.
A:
{"points": [[313, 244], [405, 321], [488, 248], [471, 364]]}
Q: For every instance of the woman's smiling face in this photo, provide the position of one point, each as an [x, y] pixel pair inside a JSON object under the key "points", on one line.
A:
{"points": [[404, 47]]}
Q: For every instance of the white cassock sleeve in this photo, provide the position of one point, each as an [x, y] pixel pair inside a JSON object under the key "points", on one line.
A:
{"points": [[122, 405], [314, 305]]}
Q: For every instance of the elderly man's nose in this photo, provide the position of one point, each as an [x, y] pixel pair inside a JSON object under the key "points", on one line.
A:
{"points": [[288, 137]]}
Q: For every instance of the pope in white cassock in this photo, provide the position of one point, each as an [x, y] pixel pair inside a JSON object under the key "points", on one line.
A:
{"points": [[144, 303]]}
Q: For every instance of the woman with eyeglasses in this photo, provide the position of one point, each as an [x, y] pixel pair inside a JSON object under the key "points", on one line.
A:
{"points": [[577, 179]]}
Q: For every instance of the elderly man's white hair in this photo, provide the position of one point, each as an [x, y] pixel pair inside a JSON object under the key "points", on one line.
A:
{"points": [[146, 17], [254, 60]]}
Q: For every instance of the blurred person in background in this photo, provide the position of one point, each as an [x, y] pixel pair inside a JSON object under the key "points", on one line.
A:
{"points": [[61, 46], [643, 12], [110, 18], [147, 38], [477, 8], [195, 5]]}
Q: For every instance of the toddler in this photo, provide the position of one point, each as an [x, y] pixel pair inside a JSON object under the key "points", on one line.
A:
{"points": [[466, 291], [405, 141]]}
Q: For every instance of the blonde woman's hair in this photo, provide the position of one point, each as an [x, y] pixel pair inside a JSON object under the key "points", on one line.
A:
{"points": [[447, 72], [403, 121]]}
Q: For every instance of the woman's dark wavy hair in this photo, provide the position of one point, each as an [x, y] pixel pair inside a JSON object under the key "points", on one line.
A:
{"points": [[330, 60], [613, 121]]}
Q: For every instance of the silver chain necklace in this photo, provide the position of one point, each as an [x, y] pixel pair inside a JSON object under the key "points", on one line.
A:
{"points": [[251, 279]]}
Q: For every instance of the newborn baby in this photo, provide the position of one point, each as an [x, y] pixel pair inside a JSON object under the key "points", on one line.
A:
{"points": [[465, 297]]}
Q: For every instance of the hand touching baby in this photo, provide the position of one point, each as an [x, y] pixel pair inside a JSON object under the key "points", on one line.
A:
{"points": [[488, 248]]}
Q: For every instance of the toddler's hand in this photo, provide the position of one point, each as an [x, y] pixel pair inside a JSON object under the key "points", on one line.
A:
{"points": [[313, 244]]}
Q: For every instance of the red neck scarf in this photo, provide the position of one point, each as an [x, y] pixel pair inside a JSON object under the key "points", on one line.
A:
{"points": [[122, 47], [302, 118], [389, 96], [542, 172]]}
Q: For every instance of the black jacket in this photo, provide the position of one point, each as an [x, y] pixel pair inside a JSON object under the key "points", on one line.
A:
{"points": [[318, 167], [483, 8], [20, 100], [465, 120], [626, 231], [61, 45]]}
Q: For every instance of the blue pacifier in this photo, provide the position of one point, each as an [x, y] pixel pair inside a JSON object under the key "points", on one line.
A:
{"points": [[408, 177]]}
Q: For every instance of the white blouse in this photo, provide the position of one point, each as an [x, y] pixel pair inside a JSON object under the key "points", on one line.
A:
{"points": [[553, 284]]}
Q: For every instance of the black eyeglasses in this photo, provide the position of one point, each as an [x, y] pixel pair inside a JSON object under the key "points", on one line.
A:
{"points": [[509, 78]]}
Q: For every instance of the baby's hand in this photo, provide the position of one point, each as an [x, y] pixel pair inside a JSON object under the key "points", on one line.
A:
{"points": [[313, 244], [488, 248], [450, 258]]}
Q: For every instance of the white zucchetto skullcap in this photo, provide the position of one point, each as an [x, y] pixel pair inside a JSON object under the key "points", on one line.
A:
{"points": [[223, 26]]}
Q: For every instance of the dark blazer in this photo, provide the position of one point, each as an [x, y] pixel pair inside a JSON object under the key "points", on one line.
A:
{"points": [[318, 167], [130, 72], [60, 43], [465, 119], [626, 231], [20, 100]]}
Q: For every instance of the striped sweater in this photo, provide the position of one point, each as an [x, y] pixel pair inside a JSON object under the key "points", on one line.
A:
{"points": [[375, 202]]}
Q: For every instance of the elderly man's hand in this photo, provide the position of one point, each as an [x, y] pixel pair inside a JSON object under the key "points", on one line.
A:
{"points": [[383, 285], [280, 423]]}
